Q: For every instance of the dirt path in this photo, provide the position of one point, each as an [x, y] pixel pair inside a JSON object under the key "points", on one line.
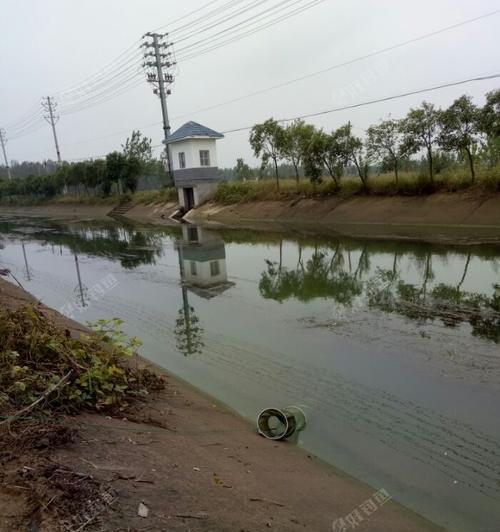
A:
{"points": [[197, 466]]}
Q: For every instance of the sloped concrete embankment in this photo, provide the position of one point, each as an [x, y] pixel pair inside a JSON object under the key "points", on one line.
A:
{"points": [[458, 216]]}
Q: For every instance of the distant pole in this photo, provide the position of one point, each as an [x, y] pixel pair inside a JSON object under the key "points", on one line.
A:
{"points": [[49, 106], [3, 141], [161, 75]]}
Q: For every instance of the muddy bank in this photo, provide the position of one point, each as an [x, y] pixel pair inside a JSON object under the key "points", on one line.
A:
{"points": [[69, 211], [196, 465], [459, 217]]}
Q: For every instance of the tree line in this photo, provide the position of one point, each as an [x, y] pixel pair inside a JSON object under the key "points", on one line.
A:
{"points": [[464, 130], [119, 171]]}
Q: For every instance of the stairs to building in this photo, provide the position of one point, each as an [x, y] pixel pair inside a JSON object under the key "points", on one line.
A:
{"points": [[121, 209]]}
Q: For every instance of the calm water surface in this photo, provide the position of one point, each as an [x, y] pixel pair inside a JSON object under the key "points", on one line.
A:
{"points": [[392, 349]]}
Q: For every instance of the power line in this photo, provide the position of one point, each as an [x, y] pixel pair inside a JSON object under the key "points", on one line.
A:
{"points": [[318, 72], [197, 32], [240, 36], [353, 106], [204, 17], [348, 62], [378, 100]]}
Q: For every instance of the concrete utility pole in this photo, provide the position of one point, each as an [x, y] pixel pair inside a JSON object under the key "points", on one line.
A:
{"points": [[161, 75], [3, 141], [50, 106]]}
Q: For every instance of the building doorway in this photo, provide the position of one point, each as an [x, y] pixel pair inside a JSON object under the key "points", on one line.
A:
{"points": [[188, 198]]}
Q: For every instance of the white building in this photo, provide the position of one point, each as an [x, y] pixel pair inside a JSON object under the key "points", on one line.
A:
{"points": [[202, 260], [194, 163]]}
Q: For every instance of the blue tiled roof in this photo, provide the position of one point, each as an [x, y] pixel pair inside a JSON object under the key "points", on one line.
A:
{"points": [[193, 129]]}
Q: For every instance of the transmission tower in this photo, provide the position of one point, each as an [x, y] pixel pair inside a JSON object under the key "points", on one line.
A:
{"points": [[50, 106], [3, 141], [159, 64]]}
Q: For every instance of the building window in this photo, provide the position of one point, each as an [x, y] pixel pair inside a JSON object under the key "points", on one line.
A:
{"points": [[214, 268], [194, 271], [204, 158], [192, 234], [182, 160]]}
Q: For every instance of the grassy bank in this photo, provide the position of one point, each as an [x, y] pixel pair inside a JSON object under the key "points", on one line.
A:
{"points": [[408, 184], [146, 197]]}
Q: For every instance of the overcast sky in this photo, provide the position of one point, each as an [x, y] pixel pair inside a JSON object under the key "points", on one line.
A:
{"points": [[52, 44]]}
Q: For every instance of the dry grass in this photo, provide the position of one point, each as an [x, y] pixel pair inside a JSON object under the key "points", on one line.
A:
{"points": [[408, 184], [163, 195]]}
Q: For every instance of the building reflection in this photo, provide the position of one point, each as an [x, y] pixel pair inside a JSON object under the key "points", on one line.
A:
{"points": [[203, 271]]}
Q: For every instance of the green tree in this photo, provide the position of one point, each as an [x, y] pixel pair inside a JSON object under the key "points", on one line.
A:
{"points": [[385, 142], [313, 156], [421, 131], [139, 147], [116, 164], [96, 173], [461, 129], [490, 115], [352, 146], [78, 175], [335, 153], [267, 141], [297, 136], [131, 173], [242, 171]]}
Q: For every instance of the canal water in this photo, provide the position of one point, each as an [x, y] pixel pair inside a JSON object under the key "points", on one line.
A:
{"points": [[392, 349]]}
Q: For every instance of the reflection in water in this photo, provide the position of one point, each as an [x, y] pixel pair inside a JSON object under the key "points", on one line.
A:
{"points": [[392, 346], [80, 286], [202, 267], [28, 273], [130, 245], [333, 275]]}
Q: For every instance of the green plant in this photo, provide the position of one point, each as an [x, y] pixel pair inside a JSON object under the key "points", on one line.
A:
{"points": [[40, 360]]}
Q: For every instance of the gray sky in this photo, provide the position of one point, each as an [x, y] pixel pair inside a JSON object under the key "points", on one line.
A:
{"points": [[51, 45]]}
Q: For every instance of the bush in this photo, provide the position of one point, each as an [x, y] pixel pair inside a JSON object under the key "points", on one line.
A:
{"points": [[38, 359]]}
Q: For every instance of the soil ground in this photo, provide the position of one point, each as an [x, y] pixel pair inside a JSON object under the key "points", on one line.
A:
{"points": [[196, 466]]}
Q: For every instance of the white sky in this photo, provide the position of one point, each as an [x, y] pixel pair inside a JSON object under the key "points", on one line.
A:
{"points": [[52, 44]]}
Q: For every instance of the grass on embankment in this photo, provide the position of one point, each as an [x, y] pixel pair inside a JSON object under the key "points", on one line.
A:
{"points": [[408, 184], [146, 197]]}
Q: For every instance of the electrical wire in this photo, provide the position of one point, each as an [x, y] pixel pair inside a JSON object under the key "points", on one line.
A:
{"points": [[352, 106], [266, 25], [318, 72], [204, 17], [116, 77], [226, 18], [378, 100]]}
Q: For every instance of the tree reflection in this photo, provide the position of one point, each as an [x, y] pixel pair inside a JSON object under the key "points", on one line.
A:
{"points": [[334, 274], [449, 303], [321, 276], [131, 245]]}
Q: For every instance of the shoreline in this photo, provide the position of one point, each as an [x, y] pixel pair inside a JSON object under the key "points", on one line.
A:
{"points": [[454, 218], [197, 458]]}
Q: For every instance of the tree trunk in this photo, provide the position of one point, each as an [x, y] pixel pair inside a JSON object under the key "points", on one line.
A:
{"points": [[471, 164], [396, 169], [277, 176], [360, 173], [431, 164], [332, 174]]}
